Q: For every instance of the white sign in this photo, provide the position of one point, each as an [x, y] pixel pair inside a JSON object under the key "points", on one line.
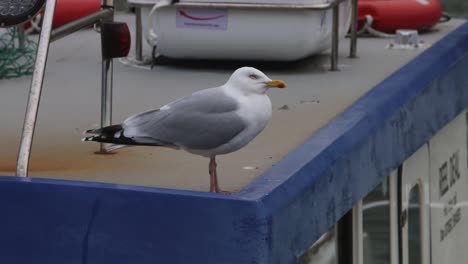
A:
{"points": [[211, 19], [449, 193]]}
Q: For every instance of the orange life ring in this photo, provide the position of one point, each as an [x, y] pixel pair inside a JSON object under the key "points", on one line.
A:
{"points": [[390, 15], [67, 11]]}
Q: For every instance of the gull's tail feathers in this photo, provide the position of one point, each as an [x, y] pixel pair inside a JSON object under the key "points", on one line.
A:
{"points": [[115, 136], [110, 134]]}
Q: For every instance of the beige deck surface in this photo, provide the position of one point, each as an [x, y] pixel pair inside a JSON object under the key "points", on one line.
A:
{"points": [[71, 98]]}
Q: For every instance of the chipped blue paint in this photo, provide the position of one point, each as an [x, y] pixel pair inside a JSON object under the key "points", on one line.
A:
{"points": [[272, 220]]}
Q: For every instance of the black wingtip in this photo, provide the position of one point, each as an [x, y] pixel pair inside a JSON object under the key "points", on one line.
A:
{"points": [[88, 139], [93, 131], [104, 130]]}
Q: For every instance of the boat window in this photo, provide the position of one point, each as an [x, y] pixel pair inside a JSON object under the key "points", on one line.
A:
{"points": [[376, 225], [414, 227]]}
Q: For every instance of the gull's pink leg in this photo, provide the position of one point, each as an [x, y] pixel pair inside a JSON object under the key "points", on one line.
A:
{"points": [[214, 187]]}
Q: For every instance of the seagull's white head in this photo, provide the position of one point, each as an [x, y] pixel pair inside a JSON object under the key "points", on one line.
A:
{"points": [[250, 80]]}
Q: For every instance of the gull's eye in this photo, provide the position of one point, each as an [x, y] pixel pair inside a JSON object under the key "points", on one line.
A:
{"points": [[253, 76]]}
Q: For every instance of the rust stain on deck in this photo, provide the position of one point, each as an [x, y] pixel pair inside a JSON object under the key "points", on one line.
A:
{"points": [[66, 162]]}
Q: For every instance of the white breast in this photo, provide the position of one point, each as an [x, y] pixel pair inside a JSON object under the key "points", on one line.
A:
{"points": [[256, 110]]}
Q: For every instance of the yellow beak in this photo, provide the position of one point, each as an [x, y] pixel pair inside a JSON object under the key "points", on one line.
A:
{"points": [[276, 84]]}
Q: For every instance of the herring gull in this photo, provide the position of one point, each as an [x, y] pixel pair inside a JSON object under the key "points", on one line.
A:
{"points": [[209, 122]]}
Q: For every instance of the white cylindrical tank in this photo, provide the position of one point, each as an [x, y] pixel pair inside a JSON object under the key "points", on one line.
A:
{"points": [[276, 2], [246, 33]]}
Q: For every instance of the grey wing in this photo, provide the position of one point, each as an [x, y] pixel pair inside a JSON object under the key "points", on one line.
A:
{"points": [[204, 120]]}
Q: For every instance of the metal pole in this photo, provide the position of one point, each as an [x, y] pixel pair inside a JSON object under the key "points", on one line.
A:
{"points": [[106, 96], [394, 228], [138, 35], [335, 36], [76, 25], [358, 242], [354, 25], [107, 3], [24, 154], [106, 85], [21, 38]]}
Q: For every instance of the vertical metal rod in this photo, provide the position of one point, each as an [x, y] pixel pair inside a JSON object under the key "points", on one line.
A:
{"points": [[21, 38], [354, 25], [399, 213], [358, 242], [29, 125], [106, 96], [394, 228], [106, 85], [107, 3], [138, 35], [335, 36]]}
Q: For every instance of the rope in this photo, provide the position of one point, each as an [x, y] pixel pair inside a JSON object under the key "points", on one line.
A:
{"points": [[16, 61], [446, 17], [151, 36], [367, 29]]}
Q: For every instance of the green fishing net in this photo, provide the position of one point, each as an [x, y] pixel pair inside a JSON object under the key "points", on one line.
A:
{"points": [[17, 54]]}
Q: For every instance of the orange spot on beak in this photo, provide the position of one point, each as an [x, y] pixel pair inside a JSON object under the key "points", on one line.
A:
{"points": [[276, 84]]}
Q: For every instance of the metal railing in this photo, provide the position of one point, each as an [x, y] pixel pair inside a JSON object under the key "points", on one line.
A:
{"points": [[321, 6], [47, 36]]}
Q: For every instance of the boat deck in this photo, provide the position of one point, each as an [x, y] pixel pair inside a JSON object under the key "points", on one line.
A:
{"points": [[71, 102]]}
